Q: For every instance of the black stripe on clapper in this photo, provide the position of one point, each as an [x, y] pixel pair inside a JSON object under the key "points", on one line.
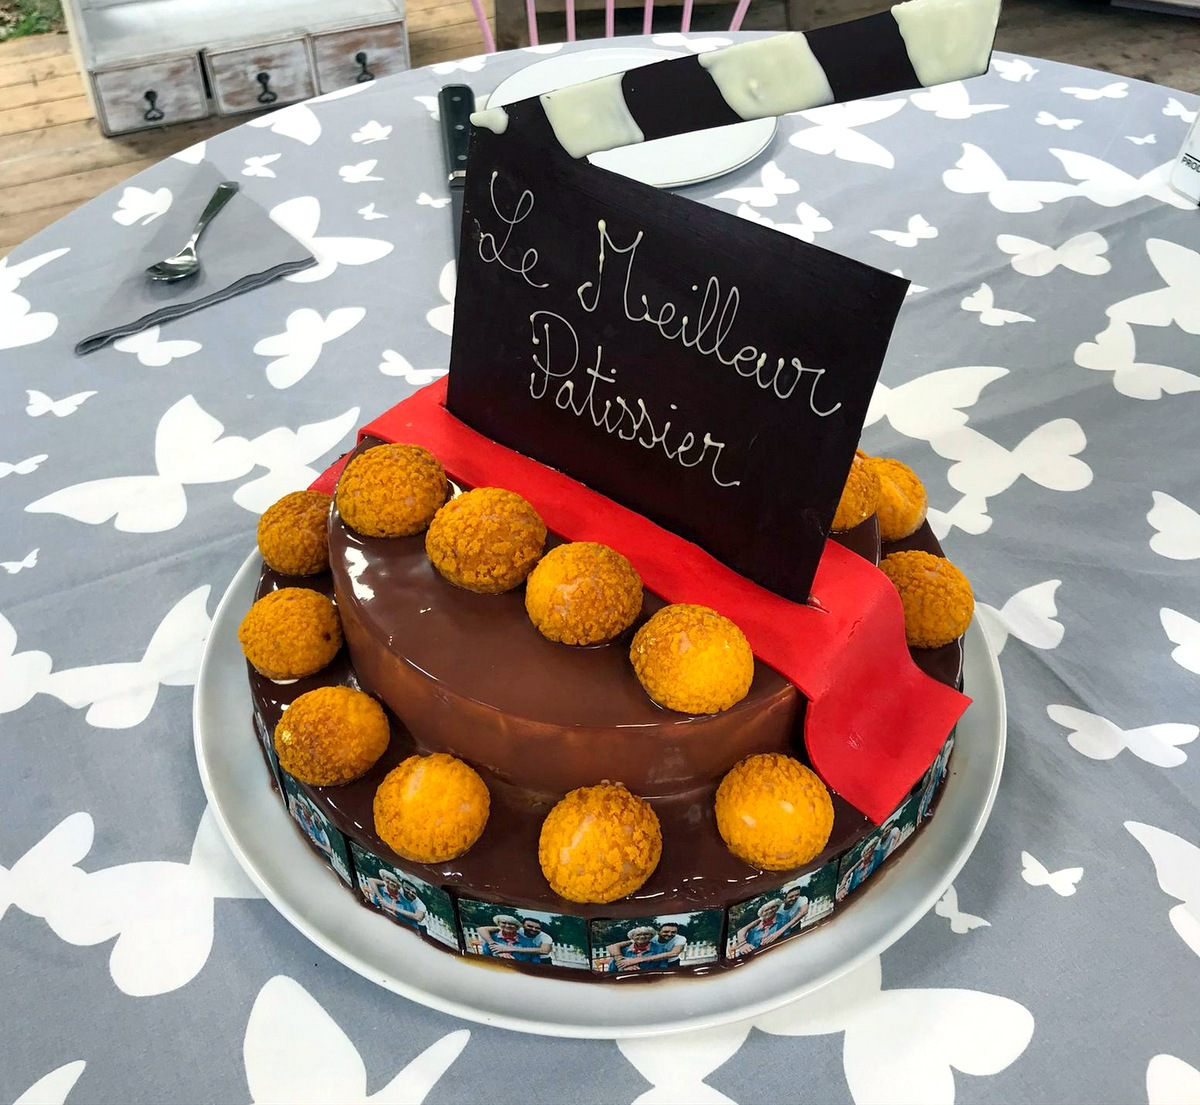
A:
{"points": [[673, 97], [866, 57]]}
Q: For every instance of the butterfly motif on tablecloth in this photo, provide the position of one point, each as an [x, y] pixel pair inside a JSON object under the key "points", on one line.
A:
{"points": [[1114, 350], [1100, 739], [287, 455], [1144, 140], [913, 287], [55, 1087], [975, 173], [1177, 527], [951, 101], [369, 213], [809, 221], [960, 923], [1045, 119], [931, 405], [189, 448], [900, 1045], [295, 1052], [371, 132], [393, 364], [39, 403], [918, 230], [1046, 455], [1030, 616], [467, 65], [21, 673], [1082, 254], [159, 913], [19, 326], [260, 166], [121, 695], [14, 567], [430, 104], [1177, 867], [1184, 633], [1105, 184], [192, 155], [154, 353], [137, 205], [1175, 110], [1171, 1081], [982, 303], [424, 199], [1117, 90], [301, 218], [22, 467], [1178, 302], [1064, 883], [969, 514], [833, 131], [442, 318], [298, 121], [676, 41], [1016, 69], [305, 335], [360, 173], [775, 183]]}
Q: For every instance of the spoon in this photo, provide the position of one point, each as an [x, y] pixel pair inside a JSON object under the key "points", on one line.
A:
{"points": [[185, 263]]}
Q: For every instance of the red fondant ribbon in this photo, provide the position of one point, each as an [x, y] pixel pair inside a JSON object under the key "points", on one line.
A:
{"points": [[875, 721]]}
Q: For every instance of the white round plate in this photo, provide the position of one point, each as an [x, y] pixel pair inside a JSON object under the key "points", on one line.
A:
{"points": [[665, 162], [301, 887]]}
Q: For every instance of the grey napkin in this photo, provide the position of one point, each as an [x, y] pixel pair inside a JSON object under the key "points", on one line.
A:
{"points": [[241, 249]]}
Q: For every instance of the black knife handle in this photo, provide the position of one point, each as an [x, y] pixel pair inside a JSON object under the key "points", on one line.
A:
{"points": [[455, 104]]}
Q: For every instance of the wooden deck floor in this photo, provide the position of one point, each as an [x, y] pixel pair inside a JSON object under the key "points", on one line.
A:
{"points": [[53, 156]]}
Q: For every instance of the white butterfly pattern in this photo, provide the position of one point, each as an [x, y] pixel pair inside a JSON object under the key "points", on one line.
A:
{"points": [[1109, 186], [430, 104], [298, 121], [160, 913], [1175, 110], [975, 173], [369, 213], [1082, 253], [1114, 350], [833, 131], [1171, 1081], [1183, 632], [21, 674], [359, 173], [1178, 302], [1100, 739], [960, 923], [982, 302], [424, 199], [295, 1052], [40, 403], [951, 101], [442, 318], [1047, 456], [138, 205], [301, 218], [1177, 867], [22, 467], [1145, 140], [188, 449], [775, 183], [1016, 70], [1177, 526], [1045, 119], [676, 41], [299, 347], [1117, 90], [53, 1088], [1064, 883], [1029, 616], [913, 287], [931, 405], [12, 567], [154, 353], [258, 166], [193, 155], [810, 221], [18, 325], [371, 132], [918, 230], [969, 514], [467, 65], [395, 365]]}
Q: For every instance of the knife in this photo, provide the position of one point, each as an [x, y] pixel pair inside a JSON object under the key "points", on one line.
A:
{"points": [[455, 104]]}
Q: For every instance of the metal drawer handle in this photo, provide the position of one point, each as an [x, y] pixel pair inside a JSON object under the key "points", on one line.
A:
{"points": [[366, 74], [266, 96], [153, 113]]}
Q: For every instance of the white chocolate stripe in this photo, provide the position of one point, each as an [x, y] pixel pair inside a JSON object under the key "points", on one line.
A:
{"points": [[947, 40], [770, 76], [590, 117]]}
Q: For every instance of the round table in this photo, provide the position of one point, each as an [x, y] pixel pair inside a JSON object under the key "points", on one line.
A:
{"points": [[1043, 379]]}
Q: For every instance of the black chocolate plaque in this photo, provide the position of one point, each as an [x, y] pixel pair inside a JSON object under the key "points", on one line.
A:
{"points": [[710, 373]]}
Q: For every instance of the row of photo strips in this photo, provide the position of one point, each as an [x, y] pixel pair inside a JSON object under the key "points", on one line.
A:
{"points": [[663, 942]]}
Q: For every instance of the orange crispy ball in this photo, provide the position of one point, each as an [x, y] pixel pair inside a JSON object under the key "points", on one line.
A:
{"points": [[331, 735], [692, 660], [773, 812], [936, 596], [599, 844], [902, 499], [290, 633], [431, 808], [582, 594], [391, 491], [860, 496], [486, 540], [291, 534]]}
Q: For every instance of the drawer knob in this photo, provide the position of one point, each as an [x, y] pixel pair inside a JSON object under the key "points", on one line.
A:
{"points": [[153, 113], [366, 74], [266, 96]]}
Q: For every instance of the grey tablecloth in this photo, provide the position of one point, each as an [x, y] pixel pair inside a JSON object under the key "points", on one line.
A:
{"points": [[1043, 380]]}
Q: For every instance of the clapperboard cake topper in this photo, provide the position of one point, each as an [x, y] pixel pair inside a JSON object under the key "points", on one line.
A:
{"points": [[708, 373]]}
